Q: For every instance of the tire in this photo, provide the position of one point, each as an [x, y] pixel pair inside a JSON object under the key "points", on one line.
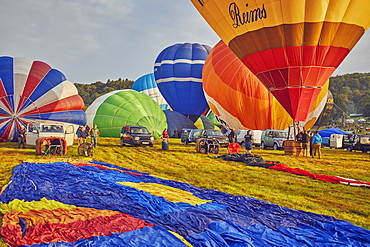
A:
{"points": [[275, 147], [132, 143], [263, 145], [122, 142], [349, 149]]}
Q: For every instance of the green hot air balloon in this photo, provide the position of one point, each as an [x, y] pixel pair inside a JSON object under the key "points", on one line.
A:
{"points": [[125, 107]]}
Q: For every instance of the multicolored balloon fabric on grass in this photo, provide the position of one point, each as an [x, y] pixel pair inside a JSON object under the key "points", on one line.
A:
{"points": [[292, 46], [34, 91], [99, 204]]}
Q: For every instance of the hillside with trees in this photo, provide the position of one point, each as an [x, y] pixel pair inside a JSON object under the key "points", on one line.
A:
{"points": [[90, 92], [351, 93]]}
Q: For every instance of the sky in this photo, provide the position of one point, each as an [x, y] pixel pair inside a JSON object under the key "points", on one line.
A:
{"points": [[97, 40]]}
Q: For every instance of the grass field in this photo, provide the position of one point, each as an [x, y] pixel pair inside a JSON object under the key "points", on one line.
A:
{"points": [[182, 163]]}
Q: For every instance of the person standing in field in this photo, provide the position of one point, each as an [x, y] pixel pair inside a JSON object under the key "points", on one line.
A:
{"points": [[21, 137], [165, 134], [305, 143], [316, 144], [232, 135], [248, 141], [82, 135], [94, 133]]}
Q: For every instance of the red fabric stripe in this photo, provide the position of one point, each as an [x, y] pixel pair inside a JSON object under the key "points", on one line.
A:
{"points": [[107, 168], [327, 178], [3, 97], [72, 103], [5, 135], [37, 73], [297, 101], [55, 232], [311, 56]]}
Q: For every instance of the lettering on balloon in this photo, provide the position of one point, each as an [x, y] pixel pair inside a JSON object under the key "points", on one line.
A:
{"points": [[242, 18]]}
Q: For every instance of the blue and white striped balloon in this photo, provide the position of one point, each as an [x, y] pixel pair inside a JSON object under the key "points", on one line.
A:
{"points": [[146, 84], [178, 73]]}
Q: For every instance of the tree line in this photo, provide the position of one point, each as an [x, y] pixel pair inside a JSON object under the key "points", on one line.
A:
{"points": [[90, 92], [351, 93]]}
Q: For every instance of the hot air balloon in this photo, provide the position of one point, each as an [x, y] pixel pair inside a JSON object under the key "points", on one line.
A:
{"points": [[292, 46], [34, 91], [176, 120], [147, 84], [125, 107], [178, 73], [237, 97], [204, 122], [327, 110]]}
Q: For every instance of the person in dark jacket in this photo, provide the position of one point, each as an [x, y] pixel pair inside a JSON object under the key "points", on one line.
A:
{"points": [[21, 137], [305, 143], [232, 136], [82, 134], [248, 141]]}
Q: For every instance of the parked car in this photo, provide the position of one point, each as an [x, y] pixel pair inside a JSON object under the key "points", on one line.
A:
{"points": [[273, 139], [256, 135], [190, 135], [222, 139], [136, 136], [356, 142], [50, 129]]}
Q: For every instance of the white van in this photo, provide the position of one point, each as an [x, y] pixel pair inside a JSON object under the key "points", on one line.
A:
{"points": [[256, 135], [62, 130]]}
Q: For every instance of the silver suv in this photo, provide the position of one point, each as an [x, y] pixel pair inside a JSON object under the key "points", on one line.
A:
{"points": [[273, 139]]}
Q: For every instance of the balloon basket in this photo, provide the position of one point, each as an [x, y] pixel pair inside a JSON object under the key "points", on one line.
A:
{"points": [[293, 148]]}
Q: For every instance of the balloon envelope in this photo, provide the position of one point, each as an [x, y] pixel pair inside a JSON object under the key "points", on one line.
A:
{"points": [[147, 84], [178, 73], [176, 120], [237, 96], [113, 110], [292, 46], [204, 122], [34, 91]]}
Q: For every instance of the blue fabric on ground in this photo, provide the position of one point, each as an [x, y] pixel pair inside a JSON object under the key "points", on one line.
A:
{"points": [[146, 237], [228, 220]]}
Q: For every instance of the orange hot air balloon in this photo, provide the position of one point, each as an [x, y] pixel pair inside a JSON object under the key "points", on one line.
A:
{"points": [[236, 95], [292, 46]]}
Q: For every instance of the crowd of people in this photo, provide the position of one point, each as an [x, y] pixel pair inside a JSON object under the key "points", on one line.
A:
{"points": [[84, 132], [311, 143]]}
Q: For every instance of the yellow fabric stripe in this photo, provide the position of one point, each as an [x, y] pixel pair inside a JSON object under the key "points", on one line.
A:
{"points": [[270, 13], [182, 239], [23, 206], [169, 193], [56, 216]]}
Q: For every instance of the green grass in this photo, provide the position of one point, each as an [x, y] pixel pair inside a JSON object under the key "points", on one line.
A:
{"points": [[182, 163]]}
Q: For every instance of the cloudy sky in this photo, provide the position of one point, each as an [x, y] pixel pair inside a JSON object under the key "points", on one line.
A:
{"points": [[97, 40]]}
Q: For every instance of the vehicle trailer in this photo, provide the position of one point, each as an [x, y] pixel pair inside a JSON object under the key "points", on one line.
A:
{"points": [[356, 142]]}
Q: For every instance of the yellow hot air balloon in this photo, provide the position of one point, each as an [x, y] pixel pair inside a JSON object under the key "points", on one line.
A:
{"points": [[292, 46], [236, 95]]}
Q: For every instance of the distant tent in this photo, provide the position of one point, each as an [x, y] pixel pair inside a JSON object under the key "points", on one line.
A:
{"points": [[328, 132]]}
